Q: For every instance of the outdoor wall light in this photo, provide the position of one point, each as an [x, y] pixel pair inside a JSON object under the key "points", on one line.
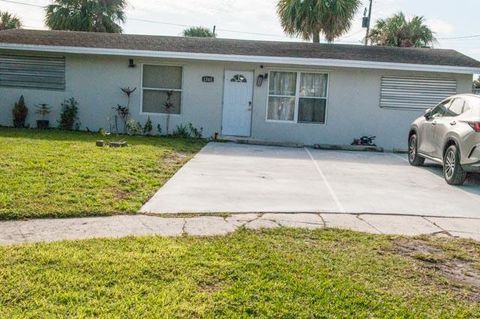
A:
{"points": [[261, 78], [131, 63]]}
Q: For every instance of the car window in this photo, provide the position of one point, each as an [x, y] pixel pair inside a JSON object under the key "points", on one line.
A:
{"points": [[440, 109], [456, 108]]}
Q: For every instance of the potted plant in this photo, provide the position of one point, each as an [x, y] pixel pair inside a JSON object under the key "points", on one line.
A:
{"points": [[43, 110], [19, 112]]}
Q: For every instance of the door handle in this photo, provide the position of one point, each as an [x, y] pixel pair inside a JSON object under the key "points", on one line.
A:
{"points": [[434, 123], [453, 123]]}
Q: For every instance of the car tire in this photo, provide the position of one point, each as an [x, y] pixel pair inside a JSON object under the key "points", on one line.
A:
{"points": [[413, 158], [452, 170]]}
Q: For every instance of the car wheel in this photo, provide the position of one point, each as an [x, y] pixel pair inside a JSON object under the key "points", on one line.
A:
{"points": [[452, 170], [413, 158]]}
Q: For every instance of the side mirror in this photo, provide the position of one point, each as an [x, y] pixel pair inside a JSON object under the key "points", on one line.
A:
{"points": [[428, 113]]}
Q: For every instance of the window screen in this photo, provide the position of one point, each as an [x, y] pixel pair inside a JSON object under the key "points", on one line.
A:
{"points": [[32, 72], [415, 93], [162, 86]]}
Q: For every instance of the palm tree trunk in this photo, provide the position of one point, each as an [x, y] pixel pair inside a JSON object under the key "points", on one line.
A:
{"points": [[316, 37]]}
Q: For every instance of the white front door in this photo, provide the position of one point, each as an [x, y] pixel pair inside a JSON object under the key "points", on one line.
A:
{"points": [[237, 103]]}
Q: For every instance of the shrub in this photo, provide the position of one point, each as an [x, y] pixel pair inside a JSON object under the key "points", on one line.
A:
{"points": [[194, 132], [181, 131], [69, 114], [148, 128], [134, 128], [19, 112], [159, 129]]}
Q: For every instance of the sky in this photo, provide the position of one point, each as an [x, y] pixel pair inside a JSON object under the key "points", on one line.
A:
{"points": [[455, 23]]}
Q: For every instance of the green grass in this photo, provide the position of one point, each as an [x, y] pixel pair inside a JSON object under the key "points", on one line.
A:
{"points": [[281, 273], [63, 174]]}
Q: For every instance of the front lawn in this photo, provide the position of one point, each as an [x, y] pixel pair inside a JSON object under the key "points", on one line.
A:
{"points": [[282, 273], [63, 174]]}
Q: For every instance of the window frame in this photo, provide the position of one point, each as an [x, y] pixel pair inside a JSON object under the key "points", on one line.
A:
{"points": [[143, 64], [297, 96]]}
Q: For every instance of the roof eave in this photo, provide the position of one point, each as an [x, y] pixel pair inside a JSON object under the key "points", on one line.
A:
{"points": [[243, 58]]}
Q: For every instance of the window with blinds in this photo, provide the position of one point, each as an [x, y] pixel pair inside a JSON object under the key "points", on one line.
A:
{"points": [[33, 72], [415, 93]]}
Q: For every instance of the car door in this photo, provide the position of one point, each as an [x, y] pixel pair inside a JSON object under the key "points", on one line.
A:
{"points": [[444, 124], [426, 145]]}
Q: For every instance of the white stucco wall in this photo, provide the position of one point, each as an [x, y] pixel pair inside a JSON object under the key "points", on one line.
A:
{"points": [[352, 108]]}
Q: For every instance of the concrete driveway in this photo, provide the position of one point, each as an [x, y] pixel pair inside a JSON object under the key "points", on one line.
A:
{"points": [[234, 178]]}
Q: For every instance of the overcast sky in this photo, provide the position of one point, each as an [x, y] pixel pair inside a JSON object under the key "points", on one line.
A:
{"points": [[257, 19]]}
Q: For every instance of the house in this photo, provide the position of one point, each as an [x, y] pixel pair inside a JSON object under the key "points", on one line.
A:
{"points": [[271, 91]]}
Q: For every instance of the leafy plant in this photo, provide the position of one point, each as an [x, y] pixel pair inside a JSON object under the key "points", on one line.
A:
{"points": [[123, 112], [159, 129], [20, 112], [148, 128], [194, 132], [181, 131], [134, 127], [43, 110], [69, 114]]}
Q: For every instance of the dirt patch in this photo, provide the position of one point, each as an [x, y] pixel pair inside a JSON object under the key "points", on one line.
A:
{"points": [[461, 273], [210, 285], [119, 194], [174, 158]]}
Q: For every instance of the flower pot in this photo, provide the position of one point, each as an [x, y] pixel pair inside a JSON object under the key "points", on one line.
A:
{"points": [[43, 124]]}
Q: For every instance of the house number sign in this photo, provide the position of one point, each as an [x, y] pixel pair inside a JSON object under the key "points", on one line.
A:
{"points": [[208, 79]]}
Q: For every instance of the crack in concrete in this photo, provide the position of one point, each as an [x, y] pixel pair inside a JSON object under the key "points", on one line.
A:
{"points": [[358, 216]]}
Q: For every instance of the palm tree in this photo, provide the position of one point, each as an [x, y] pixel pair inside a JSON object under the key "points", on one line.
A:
{"points": [[86, 15], [309, 18], [9, 21], [397, 31], [200, 32]]}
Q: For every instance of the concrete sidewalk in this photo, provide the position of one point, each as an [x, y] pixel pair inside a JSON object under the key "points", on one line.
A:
{"points": [[47, 230]]}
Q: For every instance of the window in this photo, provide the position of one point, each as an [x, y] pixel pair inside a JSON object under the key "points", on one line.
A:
{"points": [[297, 97], [441, 109], [32, 72], [415, 92], [456, 108], [162, 87]]}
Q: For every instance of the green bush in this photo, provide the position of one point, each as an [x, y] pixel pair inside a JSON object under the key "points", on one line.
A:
{"points": [[148, 128], [69, 114], [19, 112]]}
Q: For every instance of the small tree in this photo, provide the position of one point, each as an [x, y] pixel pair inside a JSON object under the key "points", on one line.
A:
{"points": [[199, 32], [69, 114], [124, 111], [19, 112]]}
